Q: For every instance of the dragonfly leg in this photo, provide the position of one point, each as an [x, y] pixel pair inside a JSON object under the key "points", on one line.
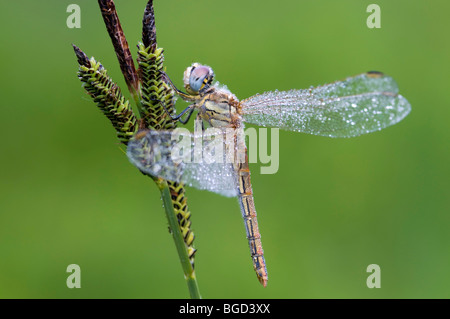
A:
{"points": [[181, 93], [169, 81], [199, 125], [190, 108]]}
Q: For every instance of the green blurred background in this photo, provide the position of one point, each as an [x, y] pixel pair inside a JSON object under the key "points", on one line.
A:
{"points": [[69, 194]]}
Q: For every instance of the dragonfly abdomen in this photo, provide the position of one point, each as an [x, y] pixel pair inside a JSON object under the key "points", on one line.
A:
{"points": [[245, 194]]}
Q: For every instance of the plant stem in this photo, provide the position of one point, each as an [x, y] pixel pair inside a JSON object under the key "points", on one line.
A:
{"points": [[126, 63], [189, 273]]}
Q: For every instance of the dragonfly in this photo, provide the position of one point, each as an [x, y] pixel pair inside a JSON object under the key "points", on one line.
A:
{"points": [[357, 105]]}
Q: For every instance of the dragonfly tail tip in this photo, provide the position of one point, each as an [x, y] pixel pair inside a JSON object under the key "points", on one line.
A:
{"points": [[263, 281]]}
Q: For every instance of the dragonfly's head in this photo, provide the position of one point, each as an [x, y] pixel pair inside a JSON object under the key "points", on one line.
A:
{"points": [[198, 78]]}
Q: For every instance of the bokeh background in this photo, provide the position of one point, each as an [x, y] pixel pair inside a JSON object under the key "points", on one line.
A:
{"points": [[68, 194]]}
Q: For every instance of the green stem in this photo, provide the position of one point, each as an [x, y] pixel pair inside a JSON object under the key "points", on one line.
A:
{"points": [[189, 273], [136, 97]]}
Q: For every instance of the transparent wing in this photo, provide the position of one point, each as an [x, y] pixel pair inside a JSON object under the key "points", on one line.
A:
{"points": [[181, 156], [357, 105]]}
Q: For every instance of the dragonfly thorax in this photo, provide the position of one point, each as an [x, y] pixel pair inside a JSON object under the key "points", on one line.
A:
{"points": [[219, 107]]}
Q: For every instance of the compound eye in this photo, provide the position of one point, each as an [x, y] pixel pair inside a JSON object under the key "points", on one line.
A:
{"points": [[198, 76]]}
